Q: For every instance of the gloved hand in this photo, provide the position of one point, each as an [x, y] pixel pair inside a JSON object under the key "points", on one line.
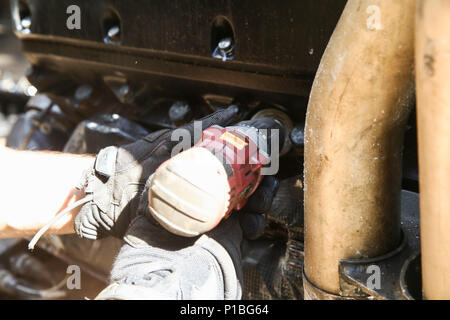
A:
{"points": [[119, 174], [156, 264]]}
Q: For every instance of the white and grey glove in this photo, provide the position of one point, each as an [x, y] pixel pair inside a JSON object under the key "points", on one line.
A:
{"points": [[156, 264], [118, 177]]}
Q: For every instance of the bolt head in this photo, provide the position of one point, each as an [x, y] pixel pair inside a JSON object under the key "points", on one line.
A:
{"points": [[83, 92], [26, 22], [179, 111], [114, 33], [225, 44]]}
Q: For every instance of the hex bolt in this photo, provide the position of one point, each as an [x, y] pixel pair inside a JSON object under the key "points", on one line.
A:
{"points": [[114, 34], [83, 92], [297, 136], [123, 93], [25, 22], [225, 45], [21, 15], [124, 90], [224, 50], [180, 112]]}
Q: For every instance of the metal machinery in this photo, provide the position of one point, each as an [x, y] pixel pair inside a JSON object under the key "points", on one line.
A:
{"points": [[342, 82]]}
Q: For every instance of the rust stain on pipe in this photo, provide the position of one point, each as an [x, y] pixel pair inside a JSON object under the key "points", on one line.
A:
{"points": [[359, 105], [433, 116]]}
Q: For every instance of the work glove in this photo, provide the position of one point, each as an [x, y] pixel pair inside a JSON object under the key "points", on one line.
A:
{"points": [[156, 264], [118, 176]]}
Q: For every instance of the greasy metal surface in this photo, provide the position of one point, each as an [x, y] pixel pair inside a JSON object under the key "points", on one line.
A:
{"points": [[277, 46], [35, 130], [261, 273], [433, 118], [312, 292], [103, 130], [289, 36], [359, 105], [355, 275], [272, 270], [46, 263], [272, 266], [82, 253], [287, 205], [292, 266], [411, 278]]}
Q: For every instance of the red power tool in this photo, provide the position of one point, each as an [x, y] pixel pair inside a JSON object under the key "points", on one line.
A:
{"points": [[193, 191]]}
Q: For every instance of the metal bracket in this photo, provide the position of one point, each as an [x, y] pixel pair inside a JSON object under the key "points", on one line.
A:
{"points": [[397, 279]]}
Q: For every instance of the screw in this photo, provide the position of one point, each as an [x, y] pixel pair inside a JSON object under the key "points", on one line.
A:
{"points": [[113, 34], [180, 112], [26, 22], [297, 136], [83, 92], [224, 50], [225, 44]]}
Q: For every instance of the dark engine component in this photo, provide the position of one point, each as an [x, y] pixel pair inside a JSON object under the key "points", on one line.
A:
{"points": [[168, 46]]}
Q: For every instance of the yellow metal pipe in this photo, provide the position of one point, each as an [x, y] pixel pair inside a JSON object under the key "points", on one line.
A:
{"points": [[433, 115], [359, 105]]}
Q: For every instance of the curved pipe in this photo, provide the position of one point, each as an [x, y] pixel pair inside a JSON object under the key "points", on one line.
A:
{"points": [[433, 116], [355, 124]]}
